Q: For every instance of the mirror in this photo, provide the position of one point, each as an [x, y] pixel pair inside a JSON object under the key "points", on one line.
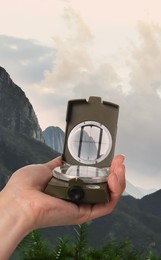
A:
{"points": [[89, 142]]}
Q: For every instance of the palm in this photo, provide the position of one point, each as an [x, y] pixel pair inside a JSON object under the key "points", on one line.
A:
{"points": [[29, 182]]}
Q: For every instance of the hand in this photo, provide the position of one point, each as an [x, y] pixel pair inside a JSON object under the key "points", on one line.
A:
{"points": [[24, 206], [27, 184]]}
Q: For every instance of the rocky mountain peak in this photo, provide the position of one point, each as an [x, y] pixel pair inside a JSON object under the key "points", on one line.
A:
{"points": [[4, 75], [54, 137], [16, 112]]}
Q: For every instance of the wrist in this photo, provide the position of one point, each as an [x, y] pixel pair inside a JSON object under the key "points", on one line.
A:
{"points": [[13, 225]]}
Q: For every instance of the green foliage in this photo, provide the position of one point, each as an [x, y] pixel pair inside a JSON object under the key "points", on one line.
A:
{"points": [[77, 250], [151, 256], [81, 242], [122, 250], [63, 250], [34, 247]]}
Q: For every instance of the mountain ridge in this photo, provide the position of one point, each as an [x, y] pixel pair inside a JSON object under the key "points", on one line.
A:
{"points": [[16, 112], [21, 140], [54, 137]]}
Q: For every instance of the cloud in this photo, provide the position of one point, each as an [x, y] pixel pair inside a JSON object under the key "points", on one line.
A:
{"points": [[140, 121], [72, 55], [25, 58], [145, 63], [76, 73], [75, 70]]}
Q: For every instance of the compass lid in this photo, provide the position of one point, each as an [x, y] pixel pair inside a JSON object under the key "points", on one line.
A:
{"points": [[91, 128]]}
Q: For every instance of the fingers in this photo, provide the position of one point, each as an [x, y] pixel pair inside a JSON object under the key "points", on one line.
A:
{"points": [[117, 160], [116, 185], [36, 175], [54, 163], [117, 174], [50, 166], [59, 212], [116, 180]]}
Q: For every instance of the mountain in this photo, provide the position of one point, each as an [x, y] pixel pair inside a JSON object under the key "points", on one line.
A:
{"points": [[136, 192], [16, 112], [146, 191], [133, 191], [21, 139], [137, 220], [54, 137], [152, 203]]}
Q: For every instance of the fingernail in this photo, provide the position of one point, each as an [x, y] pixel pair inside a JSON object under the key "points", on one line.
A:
{"points": [[123, 156]]}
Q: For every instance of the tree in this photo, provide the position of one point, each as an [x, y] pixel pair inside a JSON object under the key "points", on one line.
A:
{"points": [[63, 250], [35, 247]]}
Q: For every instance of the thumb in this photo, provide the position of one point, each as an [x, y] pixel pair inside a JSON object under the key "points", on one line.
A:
{"points": [[54, 163]]}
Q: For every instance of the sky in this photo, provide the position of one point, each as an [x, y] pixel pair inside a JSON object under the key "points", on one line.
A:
{"points": [[58, 50]]}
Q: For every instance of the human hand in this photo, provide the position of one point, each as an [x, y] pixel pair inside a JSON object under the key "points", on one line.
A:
{"points": [[24, 206], [27, 184]]}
